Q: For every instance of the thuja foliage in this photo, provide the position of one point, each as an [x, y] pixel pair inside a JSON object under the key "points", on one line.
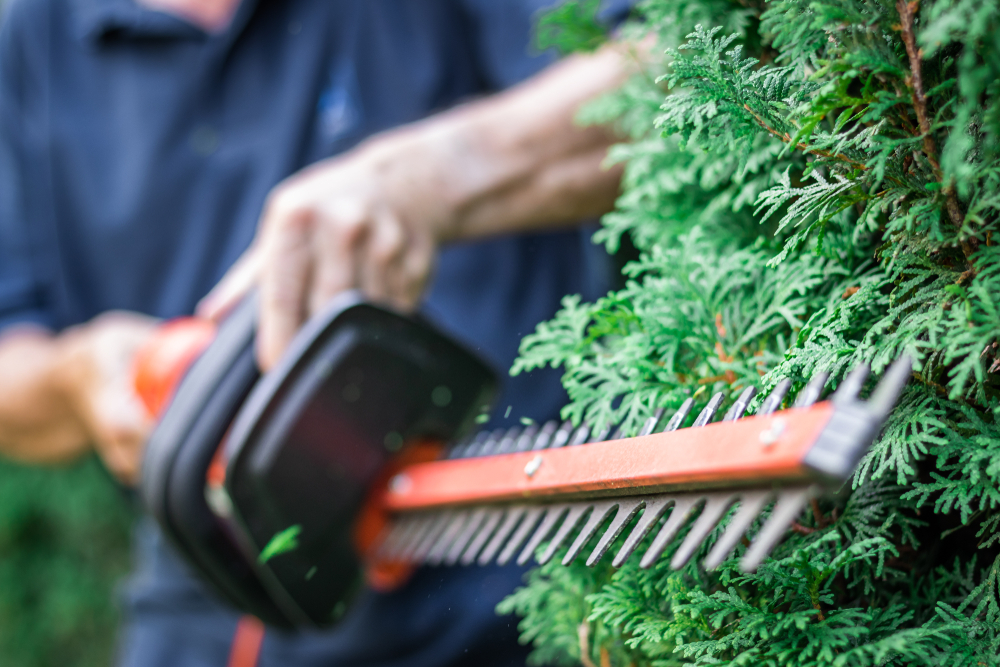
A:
{"points": [[812, 184]]}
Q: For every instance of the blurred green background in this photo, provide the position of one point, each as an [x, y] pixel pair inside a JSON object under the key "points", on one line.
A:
{"points": [[63, 550], [64, 547]]}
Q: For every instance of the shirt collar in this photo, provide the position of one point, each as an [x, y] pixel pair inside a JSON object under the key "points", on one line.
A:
{"points": [[102, 21]]}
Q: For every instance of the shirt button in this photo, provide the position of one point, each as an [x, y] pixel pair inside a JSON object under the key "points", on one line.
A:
{"points": [[204, 140]]}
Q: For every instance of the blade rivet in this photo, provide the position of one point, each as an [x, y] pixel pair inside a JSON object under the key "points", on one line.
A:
{"points": [[533, 465], [400, 484], [771, 435]]}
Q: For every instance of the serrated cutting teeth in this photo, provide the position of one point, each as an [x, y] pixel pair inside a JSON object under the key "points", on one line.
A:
{"points": [[485, 535], [511, 519], [560, 437], [708, 524], [553, 514], [573, 516], [599, 512], [627, 509], [526, 522], [680, 416], [812, 391], [740, 405], [490, 521], [789, 506], [650, 425], [774, 399], [706, 414]]}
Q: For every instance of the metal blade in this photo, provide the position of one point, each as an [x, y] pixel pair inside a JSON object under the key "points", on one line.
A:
{"points": [[789, 506], [601, 511], [680, 416], [683, 506], [650, 425], [602, 435], [553, 514], [774, 399], [526, 439], [888, 390], [560, 437], [739, 407], [706, 414], [627, 509], [531, 518], [394, 532], [849, 388], [579, 436], [812, 391], [456, 451], [413, 540], [430, 537], [654, 508], [576, 512], [751, 505], [403, 531], [489, 446], [716, 505], [447, 536], [510, 521], [506, 444], [462, 539], [544, 437], [490, 522]]}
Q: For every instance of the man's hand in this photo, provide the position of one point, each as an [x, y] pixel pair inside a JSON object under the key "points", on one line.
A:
{"points": [[61, 395], [373, 218], [356, 221]]}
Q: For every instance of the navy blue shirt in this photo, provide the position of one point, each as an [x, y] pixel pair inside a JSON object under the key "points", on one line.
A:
{"points": [[136, 152]]}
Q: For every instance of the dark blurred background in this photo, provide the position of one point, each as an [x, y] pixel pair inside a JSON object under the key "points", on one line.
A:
{"points": [[63, 549]]}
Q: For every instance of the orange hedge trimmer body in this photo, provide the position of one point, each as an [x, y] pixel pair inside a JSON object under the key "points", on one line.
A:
{"points": [[523, 492]]}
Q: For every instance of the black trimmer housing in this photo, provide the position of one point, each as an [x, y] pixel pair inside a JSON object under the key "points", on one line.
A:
{"points": [[301, 446]]}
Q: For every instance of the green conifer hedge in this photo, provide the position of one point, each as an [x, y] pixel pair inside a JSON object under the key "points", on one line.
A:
{"points": [[811, 184]]}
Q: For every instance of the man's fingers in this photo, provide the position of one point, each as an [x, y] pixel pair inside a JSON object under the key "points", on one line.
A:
{"points": [[122, 429], [383, 256], [337, 256], [122, 456], [415, 271], [287, 267], [234, 286]]}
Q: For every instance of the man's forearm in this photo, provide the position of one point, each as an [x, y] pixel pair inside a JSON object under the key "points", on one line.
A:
{"points": [[373, 218], [517, 161]]}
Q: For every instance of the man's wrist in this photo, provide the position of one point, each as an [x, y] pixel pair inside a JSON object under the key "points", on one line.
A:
{"points": [[512, 162], [441, 166]]}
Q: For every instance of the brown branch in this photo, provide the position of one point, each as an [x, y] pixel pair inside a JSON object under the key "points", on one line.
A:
{"points": [[786, 138], [802, 530], [583, 634], [817, 513], [907, 15]]}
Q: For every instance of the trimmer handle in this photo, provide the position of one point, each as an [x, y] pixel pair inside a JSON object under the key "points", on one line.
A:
{"points": [[161, 363]]}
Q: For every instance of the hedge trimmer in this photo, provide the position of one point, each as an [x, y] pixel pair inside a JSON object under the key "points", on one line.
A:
{"points": [[348, 458]]}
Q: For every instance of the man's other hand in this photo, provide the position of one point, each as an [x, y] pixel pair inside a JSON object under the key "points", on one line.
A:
{"points": [[62, 394]]}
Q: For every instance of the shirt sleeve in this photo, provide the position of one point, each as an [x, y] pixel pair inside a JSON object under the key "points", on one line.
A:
{"points": [[503, 36], [22, 292]]}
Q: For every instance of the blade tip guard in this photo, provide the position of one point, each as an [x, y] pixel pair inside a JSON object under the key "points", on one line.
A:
{"points": [[855, 424]]}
